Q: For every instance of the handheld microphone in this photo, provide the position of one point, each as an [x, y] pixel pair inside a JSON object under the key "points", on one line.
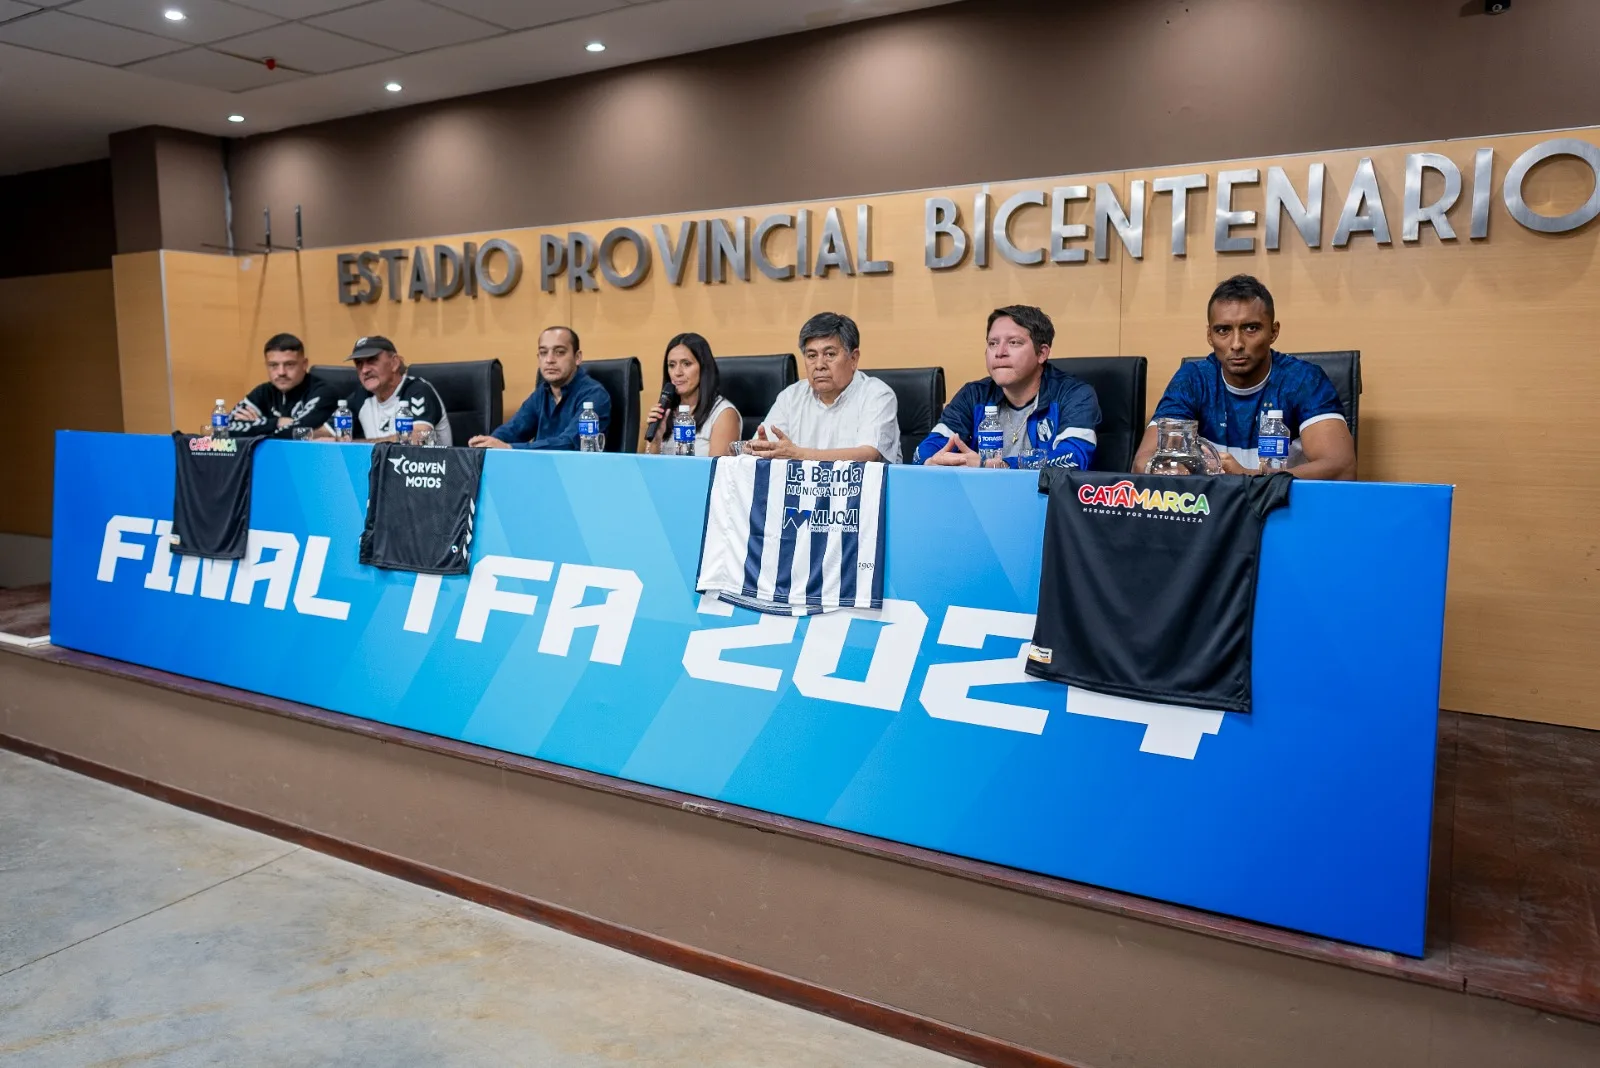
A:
{"points": [[667, 400]]}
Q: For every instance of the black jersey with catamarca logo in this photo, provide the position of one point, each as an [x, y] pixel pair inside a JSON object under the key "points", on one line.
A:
{"points": [[1148, 584], [211, 495]]}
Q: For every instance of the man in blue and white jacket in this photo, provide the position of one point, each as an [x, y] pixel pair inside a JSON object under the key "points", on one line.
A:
{"points": [[1042, 410]]}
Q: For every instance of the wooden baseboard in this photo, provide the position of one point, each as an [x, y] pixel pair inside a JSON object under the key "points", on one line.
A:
{"points": [[860, 1012]]}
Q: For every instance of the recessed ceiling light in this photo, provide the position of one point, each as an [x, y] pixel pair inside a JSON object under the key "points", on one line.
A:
{"points": [[595, 46], [235, 118], [174, 15], [393, 87]]}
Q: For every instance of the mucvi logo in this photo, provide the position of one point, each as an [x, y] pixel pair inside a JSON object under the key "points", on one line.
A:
{"points": [[848, 520], [1125, 494]]}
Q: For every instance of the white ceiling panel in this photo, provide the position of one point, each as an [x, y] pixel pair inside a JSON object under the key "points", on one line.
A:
{"points": [[405, 25], [303, 48], [526, 14], [213, 70], [207, 20], [56, 110], [68, 35], [10, 9], [297, 9]]}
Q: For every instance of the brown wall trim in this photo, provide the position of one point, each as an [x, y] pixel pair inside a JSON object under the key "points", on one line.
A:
{"points": [[884, 1019], [983, 91], [1429, 971]]}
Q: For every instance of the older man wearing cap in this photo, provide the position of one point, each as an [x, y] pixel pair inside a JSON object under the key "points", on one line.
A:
{"points": [[386, 388]]}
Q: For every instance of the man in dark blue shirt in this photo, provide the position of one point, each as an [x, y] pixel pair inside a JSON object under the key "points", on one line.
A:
{"points": [[548, 419], [1227, 392]]}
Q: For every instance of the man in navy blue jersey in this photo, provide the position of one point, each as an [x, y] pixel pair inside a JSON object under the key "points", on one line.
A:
{"points": [[1045, 414], [1227, 392]]}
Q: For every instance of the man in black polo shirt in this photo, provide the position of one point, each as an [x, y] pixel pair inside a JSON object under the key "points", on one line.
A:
{"points": [[291, 397]]}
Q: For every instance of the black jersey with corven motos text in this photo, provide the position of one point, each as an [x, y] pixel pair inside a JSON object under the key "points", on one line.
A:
{"points": [[421, 504], [1148, 584], [261, 413], [211, 496]]}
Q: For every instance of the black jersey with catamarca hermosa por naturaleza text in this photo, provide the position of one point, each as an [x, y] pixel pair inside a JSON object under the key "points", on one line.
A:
{"points": [[211, 495], [1148, 584]]}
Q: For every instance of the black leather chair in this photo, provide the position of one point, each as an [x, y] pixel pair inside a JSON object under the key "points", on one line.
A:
{"points": [[752, 383], [920, 393], [473, 392], [624, 380], [341, 376], [1119, 383], [1343, 369]]}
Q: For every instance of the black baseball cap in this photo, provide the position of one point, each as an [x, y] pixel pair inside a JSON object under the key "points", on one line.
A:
{"points": [[371, 346]]}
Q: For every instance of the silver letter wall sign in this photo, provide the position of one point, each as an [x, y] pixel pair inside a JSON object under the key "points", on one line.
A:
{"points": [[826, 246]]}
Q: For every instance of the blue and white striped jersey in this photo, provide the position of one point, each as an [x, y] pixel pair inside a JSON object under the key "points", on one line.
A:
{"points": [[794, 537]]}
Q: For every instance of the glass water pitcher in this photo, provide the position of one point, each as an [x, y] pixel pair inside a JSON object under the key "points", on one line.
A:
{"points": [[1178, 449]]}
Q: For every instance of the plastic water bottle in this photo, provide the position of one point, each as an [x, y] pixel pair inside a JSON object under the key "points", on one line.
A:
{"points": [[219, 419], [402, 425], [683, 431], [589, 436], [1272, 445], [344, 423], [991, 439]]}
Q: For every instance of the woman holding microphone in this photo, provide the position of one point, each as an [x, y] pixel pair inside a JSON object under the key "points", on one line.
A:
{"points": [[689, 377]]}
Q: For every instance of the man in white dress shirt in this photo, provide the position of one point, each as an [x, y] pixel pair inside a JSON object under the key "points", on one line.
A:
{"points": [[833, 413]]}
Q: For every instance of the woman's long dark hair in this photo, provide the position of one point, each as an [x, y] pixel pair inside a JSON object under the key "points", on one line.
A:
{"points": [[710, 384]]}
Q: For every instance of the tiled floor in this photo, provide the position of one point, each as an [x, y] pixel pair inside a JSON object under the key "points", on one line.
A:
{"points": [[132, 932]]}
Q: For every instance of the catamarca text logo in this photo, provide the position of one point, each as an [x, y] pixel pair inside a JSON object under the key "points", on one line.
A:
{"points": [[1125, 494], [222, 445]]}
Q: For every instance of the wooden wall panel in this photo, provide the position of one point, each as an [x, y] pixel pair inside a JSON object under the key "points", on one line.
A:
{"points": [[58, 365], [142, 343], [912, 317], [208, 357], [294, 293], [1476, 356]]}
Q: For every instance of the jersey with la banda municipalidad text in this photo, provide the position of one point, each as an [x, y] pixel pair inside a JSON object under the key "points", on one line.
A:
{"points": [[211, 496], [421, 507], [1147, 586], [795, 537]]}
